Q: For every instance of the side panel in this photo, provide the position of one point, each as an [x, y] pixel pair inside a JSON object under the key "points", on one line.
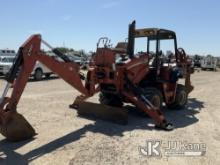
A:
{"points": [[137, 69]]}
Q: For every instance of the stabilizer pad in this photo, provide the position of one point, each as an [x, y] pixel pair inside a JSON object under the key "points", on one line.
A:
{"points": [[103, 112]]}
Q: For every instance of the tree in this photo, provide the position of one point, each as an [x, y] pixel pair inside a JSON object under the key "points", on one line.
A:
{"points": [[65, 50]]}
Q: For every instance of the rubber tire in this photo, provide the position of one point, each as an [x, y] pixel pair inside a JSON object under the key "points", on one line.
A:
{"points": [[38, 74], [180, 101], [151, 94], [110, 99]]}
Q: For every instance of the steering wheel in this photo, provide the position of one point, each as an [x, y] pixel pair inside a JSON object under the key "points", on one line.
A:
{"points": [[181, 54], [105, 41], [181, 51]]}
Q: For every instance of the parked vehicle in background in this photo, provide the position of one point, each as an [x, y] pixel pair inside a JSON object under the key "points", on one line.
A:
{"points": [[218, 62], [5, 64], [209, 62], [7, 58], [80, 58], [75, 59], [40, 70], [7, 52], [197, 60]]}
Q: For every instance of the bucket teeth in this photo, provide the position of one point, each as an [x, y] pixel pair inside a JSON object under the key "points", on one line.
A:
{"points": [[15, 127], [103, 112]]}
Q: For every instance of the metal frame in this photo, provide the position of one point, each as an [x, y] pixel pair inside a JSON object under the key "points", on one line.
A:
{"points": [[30, 53], [103, 70]]}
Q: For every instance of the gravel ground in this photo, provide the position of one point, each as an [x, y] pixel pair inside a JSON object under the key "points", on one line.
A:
{"points": [[65, 138]]}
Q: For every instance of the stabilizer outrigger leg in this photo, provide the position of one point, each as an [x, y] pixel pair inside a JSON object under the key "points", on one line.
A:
{"points": [[139, 100]]}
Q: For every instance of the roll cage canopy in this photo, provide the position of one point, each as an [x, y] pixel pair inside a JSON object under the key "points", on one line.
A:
{"points": [[151, 34], [154, 33]]}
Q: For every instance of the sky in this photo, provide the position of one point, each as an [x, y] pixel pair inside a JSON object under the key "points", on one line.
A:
{"points": [[80, 23]]}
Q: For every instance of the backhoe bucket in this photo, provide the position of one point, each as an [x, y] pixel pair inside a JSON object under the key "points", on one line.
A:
{"points": [[15, 127], [103, 112]]}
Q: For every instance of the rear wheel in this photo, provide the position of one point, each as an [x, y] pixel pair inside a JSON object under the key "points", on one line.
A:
{"points": [[38, 74], [180, 99], [110, 99]]}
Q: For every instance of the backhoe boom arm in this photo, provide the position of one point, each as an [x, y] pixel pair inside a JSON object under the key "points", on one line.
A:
{"points": [[28, 54]]}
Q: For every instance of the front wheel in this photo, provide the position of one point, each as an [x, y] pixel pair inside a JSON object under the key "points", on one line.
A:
{"points": [[38, 74], [180, 99]]}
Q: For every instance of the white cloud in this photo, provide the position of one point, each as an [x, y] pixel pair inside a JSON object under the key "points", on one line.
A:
{"points": [[109, 5], [67, 17], [35, 31]]}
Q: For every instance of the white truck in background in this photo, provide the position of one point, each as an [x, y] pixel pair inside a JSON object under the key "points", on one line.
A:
{"points": [[7, 52], [5, 64], [6, 61], [40, 70], [209, 62]]}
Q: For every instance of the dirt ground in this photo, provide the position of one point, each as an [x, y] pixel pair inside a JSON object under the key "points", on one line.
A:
{"points": [[65, 138]]}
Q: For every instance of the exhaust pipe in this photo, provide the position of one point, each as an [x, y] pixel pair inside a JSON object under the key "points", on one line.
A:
{"points": [[131, 37]]}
